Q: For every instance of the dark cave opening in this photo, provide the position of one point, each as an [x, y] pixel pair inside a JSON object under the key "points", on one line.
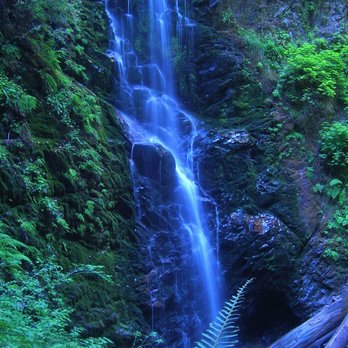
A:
{"points": [[266, 319]]}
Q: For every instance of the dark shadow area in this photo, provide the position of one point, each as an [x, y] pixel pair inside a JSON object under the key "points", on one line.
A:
{"points": [[267, 318]]}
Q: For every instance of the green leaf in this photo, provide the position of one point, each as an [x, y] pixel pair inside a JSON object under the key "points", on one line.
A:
{"points": [[222, 331]]}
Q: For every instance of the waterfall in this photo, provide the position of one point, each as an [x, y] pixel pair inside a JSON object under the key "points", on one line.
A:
{"points": [[180, 248]]}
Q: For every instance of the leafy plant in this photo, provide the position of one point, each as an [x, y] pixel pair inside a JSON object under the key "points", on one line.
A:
{"points": [[336, 190], [89, 210], [331, 254], [33, 313], [85, 106], [3, 153], [28, 226], [334, 144], [56, 212], [72, 175], [312, 71], [293, 146], [15, 97], [10, 255], [149, 340], [10, 54], [35, 177], [223, 332], [227, 17], [337, 226]]}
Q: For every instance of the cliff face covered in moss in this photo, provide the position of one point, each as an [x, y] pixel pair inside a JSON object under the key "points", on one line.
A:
{"points": [[65, 187]]}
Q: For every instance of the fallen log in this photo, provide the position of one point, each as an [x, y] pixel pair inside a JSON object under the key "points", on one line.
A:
{"points": [[321, 324], [340, 338], [322, 340]]}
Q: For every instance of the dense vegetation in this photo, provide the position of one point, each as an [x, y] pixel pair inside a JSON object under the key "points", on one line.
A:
{"points": [[65, 191], [303, 76], [67, 243]]}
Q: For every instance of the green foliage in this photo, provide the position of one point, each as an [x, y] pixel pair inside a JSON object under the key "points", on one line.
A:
{"points": [[89, 210], [223, 332], [72, 175], [28, 227], [339, 222], [85, 106], [318, 188], [337, 226], [47, 56], [50, 12], [227, 17], [48, 50], [35, 177], [293, 146], [3, 153], [336, 190], [311, 71], [10, 255], [15, 97], [10, 55], [334, 144], [269, 50], [33, 312], [77, 69], [56, 212], [90, 161], [331, 254], [94, 270], [75, 104], [310, 173], [150, 340], [60, 103]]}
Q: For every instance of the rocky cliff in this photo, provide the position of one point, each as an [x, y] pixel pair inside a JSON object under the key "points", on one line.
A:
{"points": [[260, 157]]}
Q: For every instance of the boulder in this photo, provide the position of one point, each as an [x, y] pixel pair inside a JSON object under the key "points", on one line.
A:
{"points": [[155, 162], [259, 245]]}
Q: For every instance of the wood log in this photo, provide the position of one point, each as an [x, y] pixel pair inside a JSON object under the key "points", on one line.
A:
{"points": [[320, 325], [322, 340], [340, 338]]}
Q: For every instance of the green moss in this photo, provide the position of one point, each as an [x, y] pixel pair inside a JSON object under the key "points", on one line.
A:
{"points": [[64, 170]]}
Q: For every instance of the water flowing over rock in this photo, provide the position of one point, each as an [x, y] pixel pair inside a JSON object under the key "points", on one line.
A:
{"points": [[162, 167], [180, 289]]}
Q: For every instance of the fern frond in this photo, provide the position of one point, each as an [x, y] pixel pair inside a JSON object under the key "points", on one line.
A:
{"points": [[222, 332], [9, 254]]}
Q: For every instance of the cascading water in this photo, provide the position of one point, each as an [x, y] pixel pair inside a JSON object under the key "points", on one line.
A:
{"points": [[180, 252]]}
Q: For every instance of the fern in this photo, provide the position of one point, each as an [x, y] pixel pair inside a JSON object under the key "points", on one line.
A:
{"points": [[10, 256], [15, 96], [222, 332]]}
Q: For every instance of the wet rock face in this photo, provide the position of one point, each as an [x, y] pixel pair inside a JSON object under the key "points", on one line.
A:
{"points": [[224, 159], [267, 188], [155, 162], [165, 288], [261, 233], [326, 16], [260, 245], [219, 74]]}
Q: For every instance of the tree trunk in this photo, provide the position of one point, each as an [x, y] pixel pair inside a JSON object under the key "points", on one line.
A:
{"points": [[340, 338], [320, 325]]}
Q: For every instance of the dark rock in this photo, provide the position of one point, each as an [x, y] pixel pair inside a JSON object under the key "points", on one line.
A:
{"points": [[261, 243], [266, 188], [219, 73], [155, 162]]}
